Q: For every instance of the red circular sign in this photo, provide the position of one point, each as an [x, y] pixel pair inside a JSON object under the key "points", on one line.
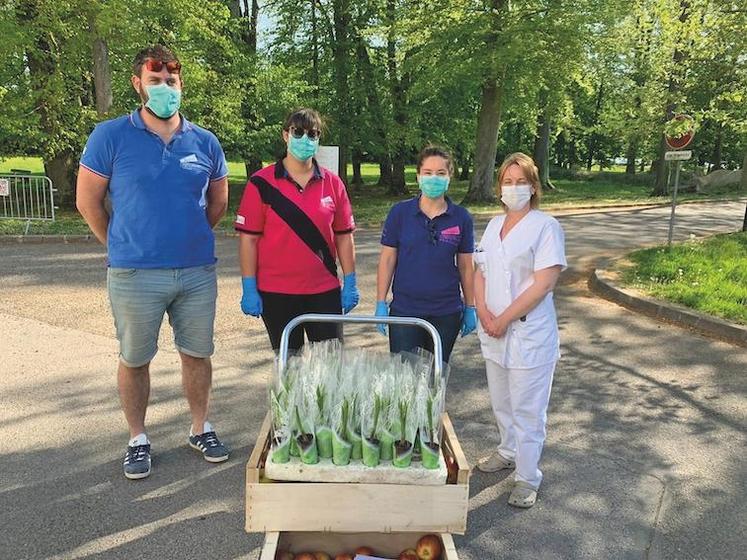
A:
{"points": [[680, 141]]}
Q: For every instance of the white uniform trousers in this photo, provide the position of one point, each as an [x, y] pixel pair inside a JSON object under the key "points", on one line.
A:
{"points": [[519, 398]]}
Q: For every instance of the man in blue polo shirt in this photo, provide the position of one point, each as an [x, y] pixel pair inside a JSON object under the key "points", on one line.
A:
{"points": [[167, 182]]}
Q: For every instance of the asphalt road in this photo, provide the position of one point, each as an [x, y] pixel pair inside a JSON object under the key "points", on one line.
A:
{"points": [[646, 436]]}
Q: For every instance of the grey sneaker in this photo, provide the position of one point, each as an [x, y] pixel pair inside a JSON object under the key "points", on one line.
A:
{"points": [[137, 461], [207, 443], [496, 462]]}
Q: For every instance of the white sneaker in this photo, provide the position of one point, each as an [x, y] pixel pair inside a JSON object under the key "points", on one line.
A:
{"points": [[496, 462]]}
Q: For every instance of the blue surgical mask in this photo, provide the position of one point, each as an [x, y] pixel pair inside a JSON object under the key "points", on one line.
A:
{"points": [[433, 186], [302, 148], [163, 100]]}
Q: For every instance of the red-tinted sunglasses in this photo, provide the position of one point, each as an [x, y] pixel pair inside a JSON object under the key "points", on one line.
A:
{"points": [[157, 65]]}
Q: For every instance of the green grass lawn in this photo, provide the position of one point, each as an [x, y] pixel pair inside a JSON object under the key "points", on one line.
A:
{"points": [[31, 164], [371, 203], [709, 275]]}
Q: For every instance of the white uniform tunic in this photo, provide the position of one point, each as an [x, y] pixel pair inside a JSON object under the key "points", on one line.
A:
{"points": [[535, 242]]}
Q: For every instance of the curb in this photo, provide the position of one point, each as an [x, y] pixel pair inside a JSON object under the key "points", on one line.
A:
{"points": [[36, 239], [556, 210], [602, 283], [80, 238]]}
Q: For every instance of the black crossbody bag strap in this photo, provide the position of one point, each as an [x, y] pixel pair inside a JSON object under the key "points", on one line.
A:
{"points": [[297, 221]]}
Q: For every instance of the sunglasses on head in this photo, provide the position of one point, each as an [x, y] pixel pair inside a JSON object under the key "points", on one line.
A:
{"points": [[154, 65], [313, 134]]}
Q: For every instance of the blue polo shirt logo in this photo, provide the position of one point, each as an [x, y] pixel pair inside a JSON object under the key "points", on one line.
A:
{"points": [[158, 191]]}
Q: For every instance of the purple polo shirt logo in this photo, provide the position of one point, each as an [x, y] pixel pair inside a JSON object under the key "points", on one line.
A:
{"points": [[452, 235]]}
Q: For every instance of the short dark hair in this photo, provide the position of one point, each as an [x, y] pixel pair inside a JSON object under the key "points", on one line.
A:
{"points": [[155, 52], [304, 118], [432, 150]]}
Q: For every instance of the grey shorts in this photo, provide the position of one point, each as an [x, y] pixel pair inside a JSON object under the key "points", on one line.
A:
{"points": [[139, 298]]}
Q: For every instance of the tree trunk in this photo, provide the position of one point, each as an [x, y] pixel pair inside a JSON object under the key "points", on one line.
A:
{"points": [[59, 162], [630, 156], [594, 138], [102, 76], [251, 36], [61, 170], [381, 143], [560, 150], [464, 174], [252, 164], [357, 176], [716, 158], [398, 186], [396, 88], [341, 61], [234, 7], [385, 170], [660, 169], [314, 47], [482, 185], [247, 35], [542, 143], [572, 154], [678, 57], [641, 55]]}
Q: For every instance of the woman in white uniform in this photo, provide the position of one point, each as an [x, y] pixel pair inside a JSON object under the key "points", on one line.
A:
{"points": [[518, 260]]}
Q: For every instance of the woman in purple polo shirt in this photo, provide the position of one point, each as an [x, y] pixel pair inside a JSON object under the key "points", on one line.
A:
{"points": [[426, 258]]}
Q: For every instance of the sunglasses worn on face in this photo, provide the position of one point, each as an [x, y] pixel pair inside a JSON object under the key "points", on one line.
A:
{"points": [[313, 134], [157, 65]]}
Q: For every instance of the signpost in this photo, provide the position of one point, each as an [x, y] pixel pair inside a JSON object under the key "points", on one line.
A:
{"points": [[681, 155], [329, 157], [683, 131]]}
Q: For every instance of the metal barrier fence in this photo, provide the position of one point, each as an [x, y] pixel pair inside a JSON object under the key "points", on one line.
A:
{"points": [[27, 198]]}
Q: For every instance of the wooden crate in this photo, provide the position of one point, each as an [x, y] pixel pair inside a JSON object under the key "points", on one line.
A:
{"points": [[357, 508], [387, 546]]}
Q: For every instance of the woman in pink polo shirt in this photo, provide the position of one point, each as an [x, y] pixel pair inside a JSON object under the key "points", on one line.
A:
{"points": [[295, 222]]}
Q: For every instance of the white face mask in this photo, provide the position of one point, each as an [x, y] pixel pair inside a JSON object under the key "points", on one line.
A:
{"points": [[516, 197]]}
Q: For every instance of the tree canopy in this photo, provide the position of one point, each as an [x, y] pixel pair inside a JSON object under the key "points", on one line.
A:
{"points": [[577, 83]]}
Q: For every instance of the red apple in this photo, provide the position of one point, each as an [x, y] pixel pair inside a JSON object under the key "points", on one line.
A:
{"points": [[364, 551], [408, 554], [429, 548], [344, 557], [305, 556], [322, 556]]}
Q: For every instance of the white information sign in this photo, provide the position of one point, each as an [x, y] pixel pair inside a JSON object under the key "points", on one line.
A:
{"points": [[4, 187], [329, 157], [678, 155]]}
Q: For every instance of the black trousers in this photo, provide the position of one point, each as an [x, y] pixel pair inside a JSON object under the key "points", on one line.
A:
{"points": [[279, 309]]}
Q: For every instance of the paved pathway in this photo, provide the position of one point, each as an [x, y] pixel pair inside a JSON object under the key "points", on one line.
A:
{"points": [[644, 457]]}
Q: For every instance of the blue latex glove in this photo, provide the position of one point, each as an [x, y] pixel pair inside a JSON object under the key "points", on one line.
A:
{"points": [[382, 310], [251, 302], [350, 296], [469, 320]]}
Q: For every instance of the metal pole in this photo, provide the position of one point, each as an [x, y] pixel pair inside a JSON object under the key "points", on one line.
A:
{"points": [[669, 176], [674, 201]]}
